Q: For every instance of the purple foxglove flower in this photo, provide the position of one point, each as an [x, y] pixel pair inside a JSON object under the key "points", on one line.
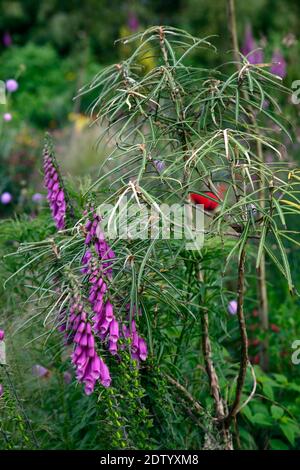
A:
{"points": [[89, 387], [56, 196], [7, 117], [133, 326], [159, 165], [125, 331], [135, 342], [143, 351], [109, 313], [133, 22], [232, 307], [6, 39], [112, 347], [104, 374], [249, 42], [40, 371], [91, 342], [2, 335], [83, 340], [279, 64], [1, 390], [12, 85], [6, 198], [114, 331], [249, 49], [104, 327], [84, 357]]}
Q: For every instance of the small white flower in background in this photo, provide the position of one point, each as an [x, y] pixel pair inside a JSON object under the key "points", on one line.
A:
{"points": [[7, 117], [232, 307], [6, 198], [12, 85]]}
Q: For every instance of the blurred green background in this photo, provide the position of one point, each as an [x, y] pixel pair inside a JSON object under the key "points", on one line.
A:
{"points": [[52, 48]]}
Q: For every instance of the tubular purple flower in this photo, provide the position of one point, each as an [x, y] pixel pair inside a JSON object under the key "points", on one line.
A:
{"points": [[135, 342], [1, 390], [84, 357], [112, 347], [138, 346], [109, 313], [249, 42], [279, 64], [56, 196], [99, 269], [114, 331], [249, 48], [2, 335], [104, 374], [143, 350]]}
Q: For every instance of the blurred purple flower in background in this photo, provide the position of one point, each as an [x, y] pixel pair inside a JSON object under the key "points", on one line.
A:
{"points": [[40, 371], [1, 390], [7, 117], [6, 198], [232, 307], [133, 22], [67, 377], [37, 197], [12, 85], [249, 49], [279, 64], [2, 335], [159, 165], [6, 39]]}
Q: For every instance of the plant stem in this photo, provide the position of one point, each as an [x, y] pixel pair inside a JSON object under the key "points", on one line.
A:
{"points": [[214, 380], [261, 272], [233, 32], [213, 377], [21, 408], [244, 340]]}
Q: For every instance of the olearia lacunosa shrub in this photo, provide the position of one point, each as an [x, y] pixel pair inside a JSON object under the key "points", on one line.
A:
{"points": [[155, 330]]}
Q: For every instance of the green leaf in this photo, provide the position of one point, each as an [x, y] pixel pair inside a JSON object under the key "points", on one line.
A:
{"points": [[262, 420], [276, 444], [268, 391], [277, 412], [248, 413], [289, 432]]}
